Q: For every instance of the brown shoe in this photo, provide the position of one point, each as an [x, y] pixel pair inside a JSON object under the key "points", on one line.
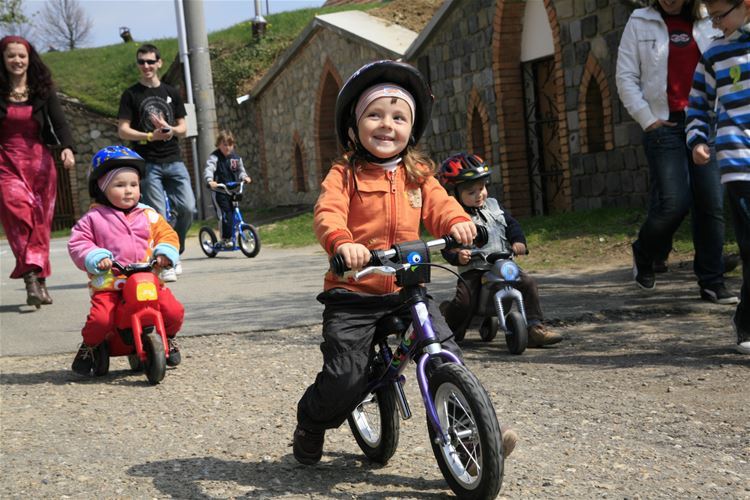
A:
{"points": [[33, 290], [46, 299], [307, 446], [510, 439], [540, 336]]}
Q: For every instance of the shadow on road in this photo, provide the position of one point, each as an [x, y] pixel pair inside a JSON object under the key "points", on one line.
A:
{"points": [[211, 477], [65, 377]]}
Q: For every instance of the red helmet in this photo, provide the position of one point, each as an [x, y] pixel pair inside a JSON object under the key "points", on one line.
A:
{"points": [[463, 167]]}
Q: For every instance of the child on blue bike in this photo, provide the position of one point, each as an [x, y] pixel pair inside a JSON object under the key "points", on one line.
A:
{"points": [[224, 165], [373, 197], [466, 176]]}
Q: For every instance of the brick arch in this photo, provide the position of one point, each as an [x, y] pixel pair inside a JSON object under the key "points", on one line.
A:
{"points": [[507, 26], [299, 170], [477, 118], [326, 143], [594, 75]]}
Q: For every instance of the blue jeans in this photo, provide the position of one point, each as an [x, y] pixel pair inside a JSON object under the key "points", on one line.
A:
{"points": [[175, 180], [676, 186], [739, 200]]}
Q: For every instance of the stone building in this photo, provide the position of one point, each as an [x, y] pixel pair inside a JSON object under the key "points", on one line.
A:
{"points": [[529, 85]]}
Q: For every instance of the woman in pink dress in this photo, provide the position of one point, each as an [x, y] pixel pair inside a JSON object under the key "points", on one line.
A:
{"points": [[30, 119]]}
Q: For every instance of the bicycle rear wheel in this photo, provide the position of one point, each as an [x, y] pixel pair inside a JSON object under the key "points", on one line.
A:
{"points": [[375, 424], [249, 240], [472, 460]]}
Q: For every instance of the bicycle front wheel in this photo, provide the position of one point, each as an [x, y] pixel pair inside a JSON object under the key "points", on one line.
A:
{"points": [[249, 240], [472, 459], [375, 424]]}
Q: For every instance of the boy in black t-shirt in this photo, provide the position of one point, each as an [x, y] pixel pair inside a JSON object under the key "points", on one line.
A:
{"points": [[152, 116]]}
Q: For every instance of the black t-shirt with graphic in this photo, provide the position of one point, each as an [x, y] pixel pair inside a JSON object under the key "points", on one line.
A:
{"points": [[137, 103]]}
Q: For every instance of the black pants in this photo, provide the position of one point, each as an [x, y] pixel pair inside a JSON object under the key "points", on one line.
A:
{"points": [[225, 213], [348, 329], [461, 309]]}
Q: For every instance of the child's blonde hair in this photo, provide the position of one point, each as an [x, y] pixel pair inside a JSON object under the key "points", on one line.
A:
{"points": [[224, 136]]}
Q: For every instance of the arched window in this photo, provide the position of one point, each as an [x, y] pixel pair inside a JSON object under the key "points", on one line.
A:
{"points": [[300, 184], [327, 143], [594, 118], [477, 135]]}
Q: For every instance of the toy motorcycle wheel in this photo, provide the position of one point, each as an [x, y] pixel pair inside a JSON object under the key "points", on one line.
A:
{"points": [[488, 328], [249, 240], [156, 359], [207, 240], [517, 336], [101, 359], [135, 363]]}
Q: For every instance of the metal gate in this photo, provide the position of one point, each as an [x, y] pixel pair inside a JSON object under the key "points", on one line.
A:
{"points": [[543, 137], [64, 217]]}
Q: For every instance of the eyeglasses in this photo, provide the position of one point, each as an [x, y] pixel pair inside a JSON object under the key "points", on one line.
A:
{"points": [[718, 18], [150, 62]]}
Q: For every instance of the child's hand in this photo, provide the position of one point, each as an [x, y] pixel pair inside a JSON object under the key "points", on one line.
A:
{"points": [[518, 248], [212, 184], [356, 256], [701, 154], [247, 180], [105, 264], [464, 256], [162, 261], [464, 232]]}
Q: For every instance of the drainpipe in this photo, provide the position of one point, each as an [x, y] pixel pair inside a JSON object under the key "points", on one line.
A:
{"points": [[183, 50]]}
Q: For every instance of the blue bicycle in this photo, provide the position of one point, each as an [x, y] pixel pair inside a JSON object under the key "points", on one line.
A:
{"points": [[244, 236], [463, 428]]}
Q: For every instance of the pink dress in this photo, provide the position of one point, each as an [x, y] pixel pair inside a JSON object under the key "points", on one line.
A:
{"points": [[28, 186]]}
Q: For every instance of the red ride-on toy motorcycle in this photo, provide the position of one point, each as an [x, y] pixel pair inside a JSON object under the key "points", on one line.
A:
{"points": [[139, 328]]}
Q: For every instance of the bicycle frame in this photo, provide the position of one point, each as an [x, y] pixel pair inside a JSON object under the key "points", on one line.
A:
{"points": [[420, 335]]}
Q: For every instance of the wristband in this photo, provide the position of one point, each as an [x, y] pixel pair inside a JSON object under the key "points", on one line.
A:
{"points": [[149, 136]]}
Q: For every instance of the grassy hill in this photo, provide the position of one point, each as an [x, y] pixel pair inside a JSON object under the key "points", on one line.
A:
{"points": [[98, 76]]}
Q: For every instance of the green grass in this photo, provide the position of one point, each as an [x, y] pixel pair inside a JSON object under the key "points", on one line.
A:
{"points": [[98, 76]]}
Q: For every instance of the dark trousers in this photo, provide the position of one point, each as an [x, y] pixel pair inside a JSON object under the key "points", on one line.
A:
{"points": [[738, 193], [348, 330], [461, 309], [225, 213]]}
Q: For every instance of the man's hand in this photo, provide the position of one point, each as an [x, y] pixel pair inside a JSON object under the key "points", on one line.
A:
{"points": [[701, 154]]}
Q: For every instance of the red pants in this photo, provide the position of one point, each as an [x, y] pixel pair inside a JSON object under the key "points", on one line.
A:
{"points": [[101, 319]]}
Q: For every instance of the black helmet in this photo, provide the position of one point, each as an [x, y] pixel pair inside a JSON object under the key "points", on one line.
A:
{"points": [[385, 71], [462, 167], [110, 158]]}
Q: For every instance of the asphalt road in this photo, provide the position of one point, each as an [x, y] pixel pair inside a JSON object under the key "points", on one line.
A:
{"points": [[233, 294]]}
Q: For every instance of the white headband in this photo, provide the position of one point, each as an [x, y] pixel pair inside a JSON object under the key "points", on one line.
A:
{"points": [[106, 179], [383, 90]]}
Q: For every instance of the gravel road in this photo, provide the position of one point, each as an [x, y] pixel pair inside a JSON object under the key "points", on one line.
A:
{"points": [[629, 406]]}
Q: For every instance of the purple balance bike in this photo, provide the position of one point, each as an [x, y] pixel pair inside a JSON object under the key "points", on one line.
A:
{"points": [[461, 421]]}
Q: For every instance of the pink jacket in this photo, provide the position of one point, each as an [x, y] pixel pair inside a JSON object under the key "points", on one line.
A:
{"points": [[104, 232]]}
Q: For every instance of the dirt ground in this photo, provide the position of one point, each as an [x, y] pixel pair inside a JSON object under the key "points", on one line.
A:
{"points": [[628, 406]]}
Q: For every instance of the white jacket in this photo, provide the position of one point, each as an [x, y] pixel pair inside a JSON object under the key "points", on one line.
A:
{"points": [[642, 62]]}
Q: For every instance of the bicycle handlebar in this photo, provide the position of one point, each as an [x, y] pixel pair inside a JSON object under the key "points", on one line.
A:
{"points": [[229, 187], [380, 260], [137, 267]]}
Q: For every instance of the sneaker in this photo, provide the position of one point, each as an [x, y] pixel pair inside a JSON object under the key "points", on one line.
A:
{"points": [[731, 261], [178, 268], [227, 244], [539, 336], [510, 439], [643, 272], [743, 338], [175, 357], [169, 275], [308, 446], [718, 294], [660, 266], [84, 360]]}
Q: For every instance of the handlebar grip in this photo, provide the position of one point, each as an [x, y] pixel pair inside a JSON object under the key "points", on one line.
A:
{"points": [[339, 267], [482, 236]]}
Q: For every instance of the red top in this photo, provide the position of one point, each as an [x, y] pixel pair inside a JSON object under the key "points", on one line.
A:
{"points": [[683, 58]]}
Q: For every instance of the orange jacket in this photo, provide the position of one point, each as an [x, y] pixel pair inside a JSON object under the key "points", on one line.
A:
{"points": [[386, 210]]}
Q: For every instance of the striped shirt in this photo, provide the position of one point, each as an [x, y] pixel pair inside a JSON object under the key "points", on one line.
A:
{"points": [[720, 97]]}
